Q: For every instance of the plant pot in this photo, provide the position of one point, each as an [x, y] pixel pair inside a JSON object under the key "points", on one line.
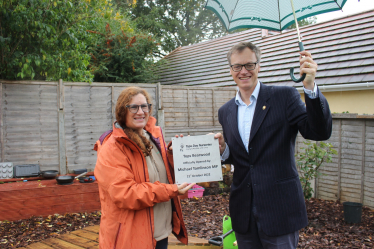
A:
{"points": [[352, 212]]}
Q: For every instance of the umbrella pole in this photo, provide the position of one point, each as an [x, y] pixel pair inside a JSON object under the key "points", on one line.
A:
{"points": [[301, 46], [297, 27]]}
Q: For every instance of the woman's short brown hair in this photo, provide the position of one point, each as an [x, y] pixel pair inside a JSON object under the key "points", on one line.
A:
{"points": [[125, 98]]}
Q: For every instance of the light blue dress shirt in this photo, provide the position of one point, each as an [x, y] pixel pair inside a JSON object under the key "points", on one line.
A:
{"points": [[246, 113]]}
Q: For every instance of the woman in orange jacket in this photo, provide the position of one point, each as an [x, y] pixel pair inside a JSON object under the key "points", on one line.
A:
{"points": [[140, 206]]}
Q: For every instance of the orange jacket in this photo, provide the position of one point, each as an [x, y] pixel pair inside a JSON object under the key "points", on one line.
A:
{"points": [[126, 195]]}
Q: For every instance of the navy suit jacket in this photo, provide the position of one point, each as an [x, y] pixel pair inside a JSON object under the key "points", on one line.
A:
{"points": [[268, 169]]}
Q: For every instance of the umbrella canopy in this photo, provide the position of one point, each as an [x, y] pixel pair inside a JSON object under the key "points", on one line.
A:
{"points": [[268, 14]]}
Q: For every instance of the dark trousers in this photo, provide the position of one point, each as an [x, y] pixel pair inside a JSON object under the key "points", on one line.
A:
{"points": [[255, 238], [162, 244]]}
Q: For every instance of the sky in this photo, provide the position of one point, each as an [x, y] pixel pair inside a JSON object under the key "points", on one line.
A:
{"points": [[350, 7]]}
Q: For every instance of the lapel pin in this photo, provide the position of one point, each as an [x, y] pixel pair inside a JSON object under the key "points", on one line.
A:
{"points": [[264, 107]]}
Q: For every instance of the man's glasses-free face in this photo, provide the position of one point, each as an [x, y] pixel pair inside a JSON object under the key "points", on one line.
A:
{"points": [[248, 66], [135, 108]]}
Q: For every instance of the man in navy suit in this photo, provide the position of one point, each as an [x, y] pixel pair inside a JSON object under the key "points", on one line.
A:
{"points": [[260, 125]]}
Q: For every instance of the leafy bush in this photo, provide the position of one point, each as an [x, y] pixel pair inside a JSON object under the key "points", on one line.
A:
{"points": [[71, 40], [310, 160], [121, 54], [42, 39]]}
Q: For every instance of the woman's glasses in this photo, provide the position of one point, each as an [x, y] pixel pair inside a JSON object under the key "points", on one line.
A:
{"points": [[135, 108]]}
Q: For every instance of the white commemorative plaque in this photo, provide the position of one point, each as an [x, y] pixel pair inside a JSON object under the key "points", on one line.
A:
{"points": [[196, 159]]}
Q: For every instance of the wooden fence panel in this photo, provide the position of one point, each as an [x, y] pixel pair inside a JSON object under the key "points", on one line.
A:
{"points": [[328, 181], [351, 160], [48, 122], [200, 108], [193, 110], [29, 115], [220, 97], [175, 106], [88, 114]]}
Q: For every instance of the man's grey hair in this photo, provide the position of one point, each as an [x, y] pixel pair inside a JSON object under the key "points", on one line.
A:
{"points": [[238, 48]]}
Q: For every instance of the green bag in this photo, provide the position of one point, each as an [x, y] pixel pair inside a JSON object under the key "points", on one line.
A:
{"points": [[229, 240]]}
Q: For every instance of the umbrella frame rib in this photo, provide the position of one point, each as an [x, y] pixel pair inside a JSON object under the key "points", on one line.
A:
{"points": [[232, 15]]}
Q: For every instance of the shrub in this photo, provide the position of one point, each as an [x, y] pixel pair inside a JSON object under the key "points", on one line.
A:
{"points": [[71, 40], [121, 55], [42, 39], [310, 160]]}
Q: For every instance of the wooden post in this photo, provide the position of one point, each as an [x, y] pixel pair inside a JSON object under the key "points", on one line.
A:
{"points": [[363, 161], [160, 111], [188, 110], [62, 143], [61, 129], [61, 95], [159, 95], [214, 110], [339, 159], [161, 119], [113, 106]]}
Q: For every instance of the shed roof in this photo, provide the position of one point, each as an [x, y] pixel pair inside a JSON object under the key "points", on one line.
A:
{"points": [[343, 49]]}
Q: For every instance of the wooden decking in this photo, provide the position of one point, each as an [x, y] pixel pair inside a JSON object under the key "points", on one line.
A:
{"points": [[88, 238]]}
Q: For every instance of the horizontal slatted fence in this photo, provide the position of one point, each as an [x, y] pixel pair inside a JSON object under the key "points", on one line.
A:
{"points": [[330, 171], [350, 176], [55, 125], [88, 113], [29, 130], [37, 129], [193, 110]]}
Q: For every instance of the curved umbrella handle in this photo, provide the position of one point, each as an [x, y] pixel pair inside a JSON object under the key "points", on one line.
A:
{"points": [[301, 46], [293, 76]]}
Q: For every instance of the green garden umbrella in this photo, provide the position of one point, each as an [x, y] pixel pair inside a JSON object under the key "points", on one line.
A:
{"points": [[270, 14]]}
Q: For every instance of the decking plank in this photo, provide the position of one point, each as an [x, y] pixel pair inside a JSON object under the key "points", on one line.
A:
{"points": [[94, 229], [86, 234], [80, 241], [38, 245], [61, 244]]}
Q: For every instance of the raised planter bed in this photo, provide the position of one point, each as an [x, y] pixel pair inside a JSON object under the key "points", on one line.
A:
{"points": [[21, 200]]}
